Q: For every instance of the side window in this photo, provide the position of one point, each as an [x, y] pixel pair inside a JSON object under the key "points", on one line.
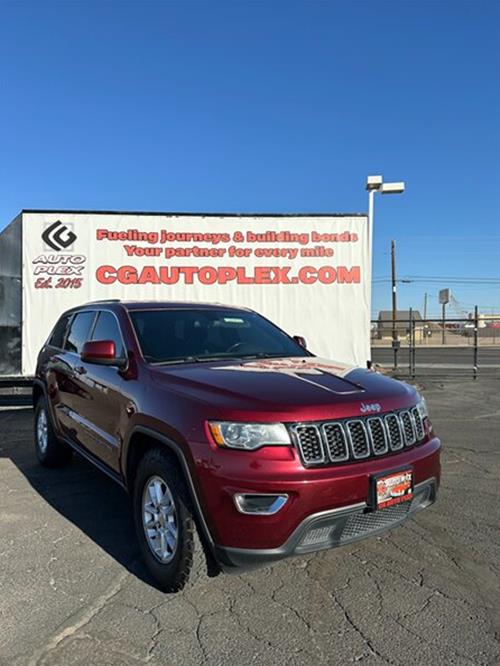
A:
{"points": [[79, 331], [57, 337], [107, 329]]}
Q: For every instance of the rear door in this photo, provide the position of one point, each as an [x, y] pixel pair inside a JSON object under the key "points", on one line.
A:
{"points": [[72, 393], [53, 368]]}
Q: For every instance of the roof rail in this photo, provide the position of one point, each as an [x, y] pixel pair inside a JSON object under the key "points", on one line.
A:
{"points": [[105, 300]]}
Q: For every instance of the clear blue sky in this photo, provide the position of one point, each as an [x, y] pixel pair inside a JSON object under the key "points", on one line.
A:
{"points": [[271, 105]]}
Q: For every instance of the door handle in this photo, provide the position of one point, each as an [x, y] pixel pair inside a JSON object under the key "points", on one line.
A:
{"points": [[130, 409], [80, 370]]}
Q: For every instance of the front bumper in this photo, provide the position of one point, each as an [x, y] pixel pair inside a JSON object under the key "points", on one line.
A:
{"points": [[222, 473], [329, 529]]}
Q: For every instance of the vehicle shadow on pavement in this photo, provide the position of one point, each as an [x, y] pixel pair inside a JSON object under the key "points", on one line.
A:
{"points": [[83, 495]]}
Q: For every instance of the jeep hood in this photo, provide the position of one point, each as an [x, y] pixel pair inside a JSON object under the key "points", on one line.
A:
{"points": [[285, 388]]}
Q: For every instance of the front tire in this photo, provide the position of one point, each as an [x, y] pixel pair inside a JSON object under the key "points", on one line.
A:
{"points": [[50, 451], [163, 520]]}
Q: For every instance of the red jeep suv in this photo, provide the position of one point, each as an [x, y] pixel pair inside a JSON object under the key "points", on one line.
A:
{"points": [[217, 421]]}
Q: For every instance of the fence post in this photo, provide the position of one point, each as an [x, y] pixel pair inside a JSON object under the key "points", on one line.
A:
{"points": [[475, 341], [410, 342], [414, 345]]}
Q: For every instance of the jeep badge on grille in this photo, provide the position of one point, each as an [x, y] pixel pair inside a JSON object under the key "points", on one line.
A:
{"points": [[370, 408]]}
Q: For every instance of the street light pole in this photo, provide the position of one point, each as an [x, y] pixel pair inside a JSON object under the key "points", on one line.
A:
{"points": [[371, 195], [376, 184]]}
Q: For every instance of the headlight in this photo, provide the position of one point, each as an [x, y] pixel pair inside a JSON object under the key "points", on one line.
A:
{"points": [[422, 408], [249, 436]]}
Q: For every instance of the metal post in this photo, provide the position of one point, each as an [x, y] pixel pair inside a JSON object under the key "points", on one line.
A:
{"points": [[414, 345], [410, 342], [443, 334], [371, 194], [475, 341], [395, 344]]}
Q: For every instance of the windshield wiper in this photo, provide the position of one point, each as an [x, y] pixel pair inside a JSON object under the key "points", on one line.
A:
{"points": [[192, 359], [215, 357], [171, 361], [263, 355]]}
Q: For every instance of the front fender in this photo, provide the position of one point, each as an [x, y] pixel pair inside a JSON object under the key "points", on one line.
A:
{"points": [[180, 450]]}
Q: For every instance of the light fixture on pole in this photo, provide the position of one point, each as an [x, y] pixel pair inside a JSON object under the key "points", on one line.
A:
{"points": [[376, 184]]}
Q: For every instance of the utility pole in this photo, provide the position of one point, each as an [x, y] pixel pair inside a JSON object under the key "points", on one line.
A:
{"points": [[426, 330], [394, 295], [395, 341]]}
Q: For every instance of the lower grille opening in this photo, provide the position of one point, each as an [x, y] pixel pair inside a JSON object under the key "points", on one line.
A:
{"points": [[363, 523], [347, 526]]}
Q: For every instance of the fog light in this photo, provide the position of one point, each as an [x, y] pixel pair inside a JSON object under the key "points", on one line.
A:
{"points": [[259, 505]]}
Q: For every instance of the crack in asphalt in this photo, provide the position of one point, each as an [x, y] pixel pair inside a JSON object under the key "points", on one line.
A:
{"points": [[39, 656], [368, 642], [432, 642]]}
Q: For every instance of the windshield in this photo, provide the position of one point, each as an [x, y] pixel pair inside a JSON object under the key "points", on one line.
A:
{"points": [[168, 336]]}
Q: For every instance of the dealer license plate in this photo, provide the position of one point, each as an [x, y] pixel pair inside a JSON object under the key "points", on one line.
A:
{"points": [[394, 488]]}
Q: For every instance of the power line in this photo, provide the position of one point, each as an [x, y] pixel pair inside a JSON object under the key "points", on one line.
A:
{"points": [[421, 279], [444, 277]]}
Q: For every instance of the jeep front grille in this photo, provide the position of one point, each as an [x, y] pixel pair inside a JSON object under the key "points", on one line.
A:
{"points": [[336, 442], [378, 435], [310, 443], [419, 426], [408, 429], [394, 431], [357, 439], [356, 431]]}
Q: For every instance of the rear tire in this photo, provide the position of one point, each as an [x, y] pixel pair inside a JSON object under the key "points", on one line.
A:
{"points": [[50, 451], [164, 520]]}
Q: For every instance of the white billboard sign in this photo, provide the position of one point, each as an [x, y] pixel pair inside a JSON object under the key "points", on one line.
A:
{"points": [[308, 274]]}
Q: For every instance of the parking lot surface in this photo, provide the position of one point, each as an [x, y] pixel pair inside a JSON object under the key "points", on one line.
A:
{"points": [[442, 360], [73, 590]]}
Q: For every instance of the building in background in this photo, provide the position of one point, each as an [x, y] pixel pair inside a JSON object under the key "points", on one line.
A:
{"points": [[384, 327]]}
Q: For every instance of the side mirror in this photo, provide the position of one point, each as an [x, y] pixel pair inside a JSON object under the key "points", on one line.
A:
{"points": [[101, 352], [300, 341]]}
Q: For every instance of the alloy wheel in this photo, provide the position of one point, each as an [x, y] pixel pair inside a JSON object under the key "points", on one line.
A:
{"points": [[159, 519], [42, 431]]}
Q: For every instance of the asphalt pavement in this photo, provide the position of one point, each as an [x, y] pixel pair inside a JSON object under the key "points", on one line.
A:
{"points": [[74, 592], [441, 360]]}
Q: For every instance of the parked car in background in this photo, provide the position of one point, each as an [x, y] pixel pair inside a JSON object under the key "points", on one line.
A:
{"points": [[215, 420]]}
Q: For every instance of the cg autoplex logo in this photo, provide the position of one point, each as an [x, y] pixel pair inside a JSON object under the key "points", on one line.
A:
{"points": [[58, 236], [370, 408]]}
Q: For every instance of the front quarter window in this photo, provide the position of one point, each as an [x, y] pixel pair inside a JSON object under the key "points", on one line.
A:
{"points": [[107, 328]]}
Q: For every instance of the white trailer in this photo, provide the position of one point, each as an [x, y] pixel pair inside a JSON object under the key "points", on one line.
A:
{"points": [[309, 273]]}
